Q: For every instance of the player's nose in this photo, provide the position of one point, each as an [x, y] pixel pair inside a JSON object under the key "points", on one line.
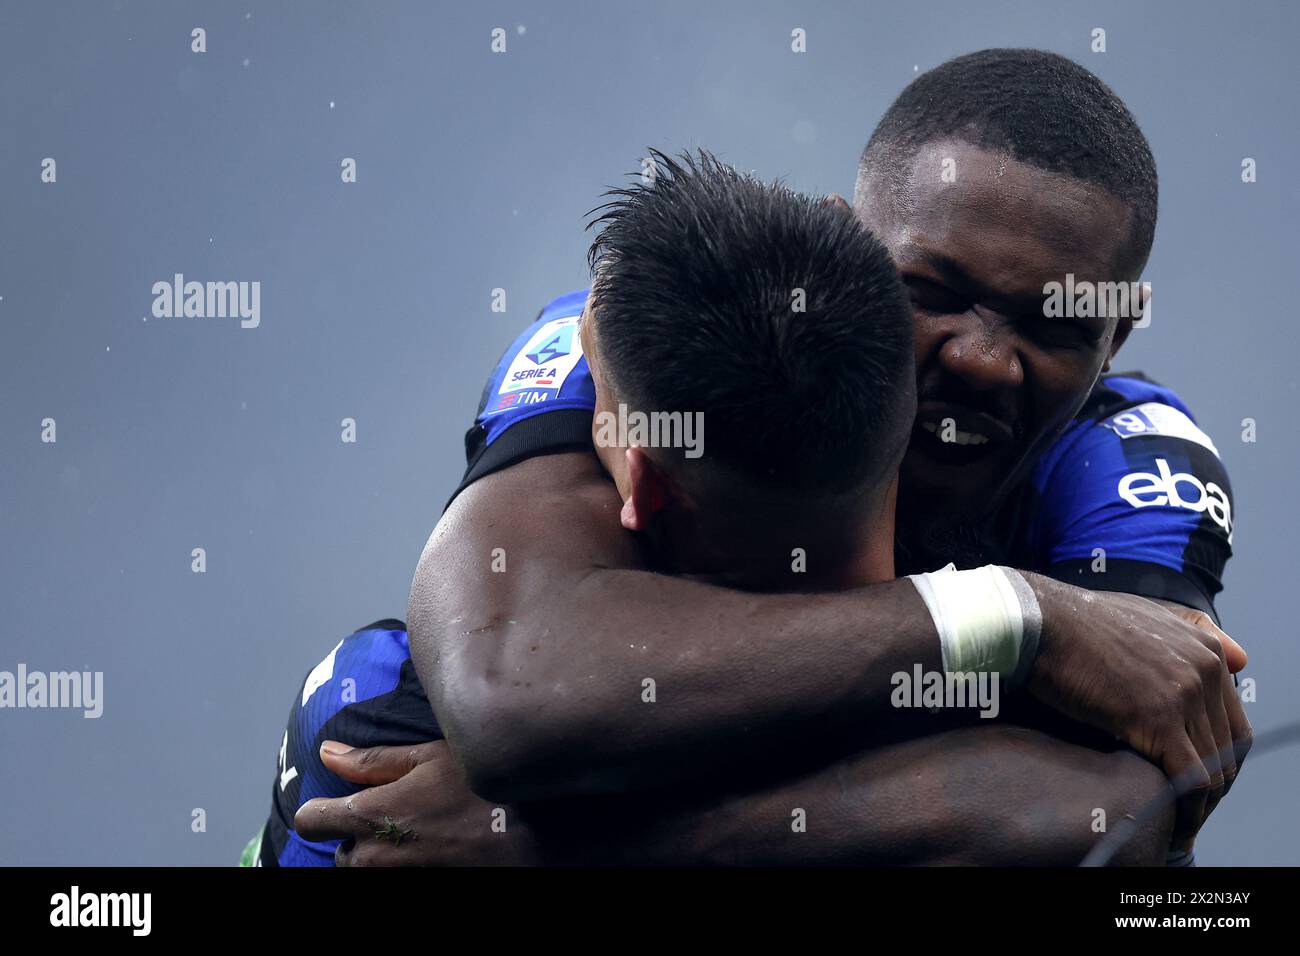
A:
{"points": [[981, 352]]}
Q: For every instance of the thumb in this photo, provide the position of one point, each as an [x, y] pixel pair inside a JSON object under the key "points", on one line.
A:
{"points": [[372, 766], [1233, 653]]}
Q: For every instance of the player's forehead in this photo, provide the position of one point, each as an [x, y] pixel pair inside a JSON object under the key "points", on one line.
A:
{"points": [[1009, 225]]}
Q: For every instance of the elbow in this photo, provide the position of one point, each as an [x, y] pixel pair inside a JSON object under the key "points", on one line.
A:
{"points": [[484, 717], [1148, 802], [503, 743], [519, 732], [493, 758]]}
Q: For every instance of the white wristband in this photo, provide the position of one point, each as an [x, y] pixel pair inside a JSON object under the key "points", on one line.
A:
{"points": [[987, 618]]}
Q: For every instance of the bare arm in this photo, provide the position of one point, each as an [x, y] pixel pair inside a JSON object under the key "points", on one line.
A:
{"points": [[987, 795], [537, 673]]}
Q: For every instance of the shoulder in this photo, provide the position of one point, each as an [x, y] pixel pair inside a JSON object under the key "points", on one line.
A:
{"points": [[1134, 406], [542, 369], [1131, 417], [1135, 484], [566, 495], [539, 397]]}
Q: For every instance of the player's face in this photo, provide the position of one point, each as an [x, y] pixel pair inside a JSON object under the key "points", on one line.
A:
{"points": [[997, 380]]}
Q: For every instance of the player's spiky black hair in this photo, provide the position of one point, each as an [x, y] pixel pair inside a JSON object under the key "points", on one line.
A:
{"points": [[1043, 109], [777, 315]]}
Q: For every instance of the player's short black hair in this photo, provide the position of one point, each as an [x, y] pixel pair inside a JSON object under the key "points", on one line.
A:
{"points": [[1042, 108], [698, 276]]}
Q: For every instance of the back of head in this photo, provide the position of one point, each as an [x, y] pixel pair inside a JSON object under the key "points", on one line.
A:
{"points": [[1040, 109], [775, 316]]}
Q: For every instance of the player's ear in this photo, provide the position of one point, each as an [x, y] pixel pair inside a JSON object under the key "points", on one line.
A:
{"points": [[648, 490]]}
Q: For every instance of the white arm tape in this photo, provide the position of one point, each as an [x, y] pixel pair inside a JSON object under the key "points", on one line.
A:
{"points": [[988, 619]]}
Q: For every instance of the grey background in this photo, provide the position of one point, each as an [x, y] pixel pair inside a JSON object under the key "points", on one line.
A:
{"points": [[474, 173]]}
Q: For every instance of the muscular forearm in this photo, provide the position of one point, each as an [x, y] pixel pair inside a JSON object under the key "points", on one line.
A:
{"points": [[611, 679], [984, 796], [569, 670]]}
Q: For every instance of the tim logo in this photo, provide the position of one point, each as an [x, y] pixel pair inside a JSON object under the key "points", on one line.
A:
{"points": [[560, 343]]}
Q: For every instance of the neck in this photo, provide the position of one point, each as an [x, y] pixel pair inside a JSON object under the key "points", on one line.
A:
{"points": [[851, 546], [874, 561]]}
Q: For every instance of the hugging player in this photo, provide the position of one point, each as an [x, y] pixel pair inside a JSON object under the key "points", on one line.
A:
{"points": [[1054, 178]]}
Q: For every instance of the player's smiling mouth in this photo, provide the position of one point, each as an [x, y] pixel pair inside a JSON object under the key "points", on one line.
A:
{"points": [[959, 437], [954, 433]]}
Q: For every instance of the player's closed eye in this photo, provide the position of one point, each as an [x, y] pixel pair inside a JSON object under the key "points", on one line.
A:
{"points": [[932, 297], [1058, 333]]}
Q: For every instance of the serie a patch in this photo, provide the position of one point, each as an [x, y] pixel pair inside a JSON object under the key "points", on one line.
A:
{"points": [[539, 369]]}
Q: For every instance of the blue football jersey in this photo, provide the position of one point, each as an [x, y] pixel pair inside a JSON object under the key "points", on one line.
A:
{"points": [[365, 693], [539, 398], [1132, 497]]}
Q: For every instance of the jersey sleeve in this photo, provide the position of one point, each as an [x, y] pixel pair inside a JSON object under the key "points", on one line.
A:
{"points": [[539, 398], [1137, 502], [366, 693]]}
